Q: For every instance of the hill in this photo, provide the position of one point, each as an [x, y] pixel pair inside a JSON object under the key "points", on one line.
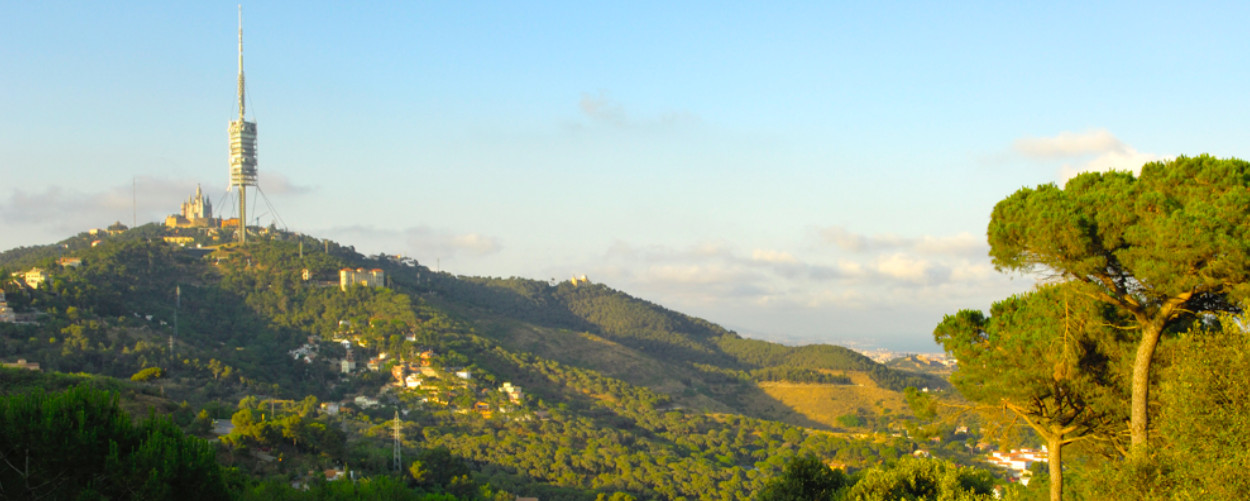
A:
{"points": [[609, 393]]}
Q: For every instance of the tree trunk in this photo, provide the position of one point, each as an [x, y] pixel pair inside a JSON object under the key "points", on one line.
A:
{"points": [[1140, 419], [1055, 462]]}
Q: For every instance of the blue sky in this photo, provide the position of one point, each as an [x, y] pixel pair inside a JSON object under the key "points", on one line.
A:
{"points": [[802, 172]]}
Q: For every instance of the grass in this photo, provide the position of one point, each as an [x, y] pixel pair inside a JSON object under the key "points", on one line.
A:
{"points": [[824, 403]]}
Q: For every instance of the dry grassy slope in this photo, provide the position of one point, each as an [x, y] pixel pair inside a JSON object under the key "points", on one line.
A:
{"points": [[811, 405], [823, 403]]}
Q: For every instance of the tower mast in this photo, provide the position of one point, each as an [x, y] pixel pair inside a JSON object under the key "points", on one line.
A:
{"points": [[242, 146]]}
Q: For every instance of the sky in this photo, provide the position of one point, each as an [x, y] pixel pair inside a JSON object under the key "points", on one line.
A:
{"points": [[803, 172]]}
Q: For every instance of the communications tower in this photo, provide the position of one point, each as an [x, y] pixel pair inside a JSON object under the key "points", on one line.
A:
{"points": [[242, 147]]}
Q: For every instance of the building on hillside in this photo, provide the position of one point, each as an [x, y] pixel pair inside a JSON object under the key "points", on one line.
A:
{"points": [[6, 313], [182, 240], [362, 277], [69, 262], [117, 228], [21, 363], [348, 365], [196, 212], [35, 277], [1018, 461], [514, 392]]}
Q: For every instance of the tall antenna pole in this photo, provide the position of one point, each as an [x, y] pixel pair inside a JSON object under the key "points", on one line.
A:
{"points": [[242, 145], [398, 433], [242, 104], [242, 108]]}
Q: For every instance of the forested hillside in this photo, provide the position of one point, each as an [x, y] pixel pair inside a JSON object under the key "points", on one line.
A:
{"points": [[259, 336]]}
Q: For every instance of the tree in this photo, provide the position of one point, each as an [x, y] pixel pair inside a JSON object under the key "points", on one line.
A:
{"points": [[79, 444], [1044, 357], [1159, 248], [932, 479], [804, 478]]}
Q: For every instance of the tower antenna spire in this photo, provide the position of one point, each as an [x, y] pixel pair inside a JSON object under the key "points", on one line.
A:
{"points": [[242, 104]]}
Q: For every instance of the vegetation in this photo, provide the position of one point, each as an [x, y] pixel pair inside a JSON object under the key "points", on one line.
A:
{"points": [[1047, 358], [238, 334], [79, 444], [1160, 248], [623, 399], [808, 479]]}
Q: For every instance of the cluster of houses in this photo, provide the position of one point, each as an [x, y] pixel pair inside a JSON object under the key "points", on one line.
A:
{"points": [[406, 375], [1018, 461]]}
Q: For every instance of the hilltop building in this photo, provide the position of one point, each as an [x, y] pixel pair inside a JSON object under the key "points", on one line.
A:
{"points": [[362, 277], [196, 212]]}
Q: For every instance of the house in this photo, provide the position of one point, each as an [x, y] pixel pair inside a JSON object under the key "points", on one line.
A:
{"points": [[513, 392], [35, 277], [366, 402], [362, 277], [464, 374], [307, 352], [21, 363], [69, 262], [1017, 460]]}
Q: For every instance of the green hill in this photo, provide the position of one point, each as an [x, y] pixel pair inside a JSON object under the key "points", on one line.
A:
{"points": [[618, 392]]}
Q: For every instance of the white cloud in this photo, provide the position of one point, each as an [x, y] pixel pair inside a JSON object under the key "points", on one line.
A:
{"points": [[1068, 144], [906, 282], [769, 256], [601, 108], [274, 183], [426, 244], [962, 244], [147, 199], [907, 268], [1091, 151], [1127, 159]]}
